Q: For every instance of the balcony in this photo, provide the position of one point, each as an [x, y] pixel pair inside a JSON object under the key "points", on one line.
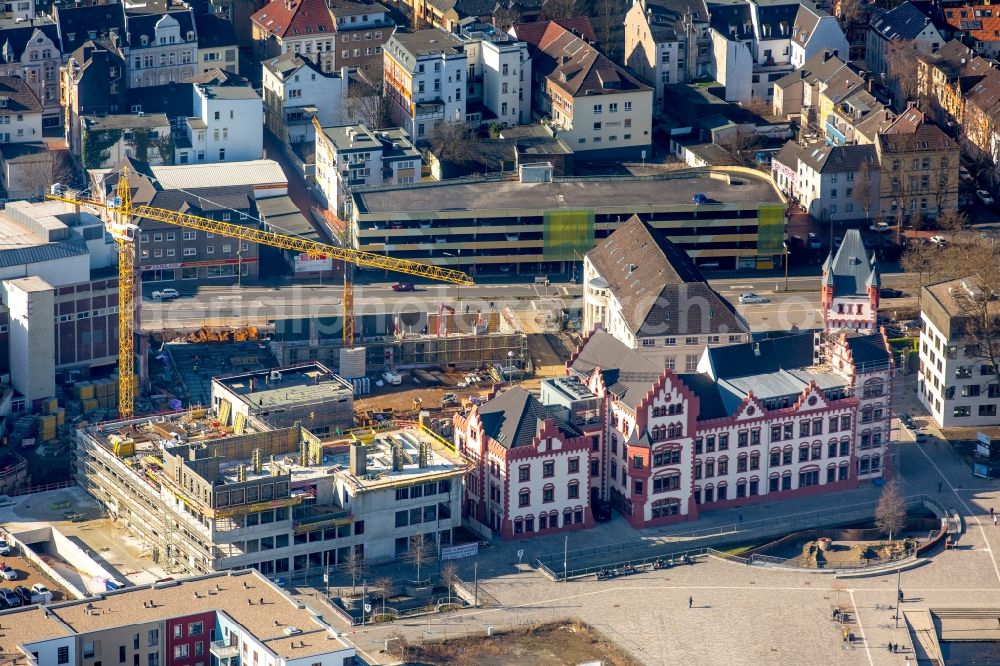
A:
{"points": [[224, 650]]}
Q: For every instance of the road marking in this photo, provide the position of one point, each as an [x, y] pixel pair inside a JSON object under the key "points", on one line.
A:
{"points": [[861, 628], [967, 508]]}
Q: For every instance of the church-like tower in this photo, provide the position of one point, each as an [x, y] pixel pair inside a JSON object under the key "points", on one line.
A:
{"points": [[850, 287]]}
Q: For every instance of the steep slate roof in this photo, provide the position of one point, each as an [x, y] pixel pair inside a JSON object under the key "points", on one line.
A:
{"points": [[532, 33], [851, 271], [775, 19], [985, 95], [288, 63], [214, 31], [867, 348], [904, 22], [626, 373], [586, 71], [839, 159], [465, 8], [665, 18], [76, 23], [733, 22], [514, 417], [820, 67], [806, 20], [20, 98], [786, 352], [142, 24], [660, 288], [295, 19], [907, 122], [15, 38], [842, 84], [924, 137]]}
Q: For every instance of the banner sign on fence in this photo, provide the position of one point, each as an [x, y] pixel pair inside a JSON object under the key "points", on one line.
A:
{"points": [[458, 552], [983, 444], [982, 471]]}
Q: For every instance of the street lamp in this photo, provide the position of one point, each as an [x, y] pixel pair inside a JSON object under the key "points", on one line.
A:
{"points": [[784, 244]]}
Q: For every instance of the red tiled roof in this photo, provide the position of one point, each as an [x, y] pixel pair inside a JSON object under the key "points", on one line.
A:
{"points": [[983, 28], [288, 19], [532, 33]]}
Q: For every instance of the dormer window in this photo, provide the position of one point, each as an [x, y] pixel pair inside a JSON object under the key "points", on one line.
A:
{"points": [[144, 40], [190, 35], [91, 33]]}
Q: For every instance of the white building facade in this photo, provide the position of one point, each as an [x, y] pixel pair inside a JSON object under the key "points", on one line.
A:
{"points": [[228, 127]]}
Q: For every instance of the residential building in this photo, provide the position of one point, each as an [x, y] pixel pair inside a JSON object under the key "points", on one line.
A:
{"points": [[425, 81], [979, 24], [944, 79], [956, 384], [26, 169], [226, 191], [208, 618], [857, 118], [20, 112], [673, 317], [295, 90], [540, 224], [667, 41], [531, 463], [849, 287], [797, 93], [499, 76], [274, 499], [226, 125], [93, 84], [919, 173], [334, 35], [981, 112], [833, 183], [596, 106], [752, 44], [107, 140], [18, 11], [59, 295], [217, 46], [31, 51], [350, 156], [902, 27], [162, 44], [80, 23]]}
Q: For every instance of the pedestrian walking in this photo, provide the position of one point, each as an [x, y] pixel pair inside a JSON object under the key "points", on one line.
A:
{"points": [[889, 647], [895, 647], [992, 515], [690, 602]]}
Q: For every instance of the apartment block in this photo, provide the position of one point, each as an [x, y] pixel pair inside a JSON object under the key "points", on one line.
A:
{"points": [[216, 618], [295, 91], [919, 172], [499, 76], [162, 44], [32, 53]]}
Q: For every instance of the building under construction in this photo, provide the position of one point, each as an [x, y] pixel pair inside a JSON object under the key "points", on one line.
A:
{"points": [[202, 498], [406, 340]]}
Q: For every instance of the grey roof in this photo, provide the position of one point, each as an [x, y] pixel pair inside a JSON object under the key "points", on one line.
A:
{"points": [[426, 42], [214, 31], [659, 287], [45, 252], [76, 24], [665, 18], [627, 374], [839, 159], [176, 100], [903, 22], [767, 356], [710, 402], [806, 19], [13, 39], [140, 24], [851, 270], [867, 349], [288, 63], [126, 121], [514, 417], [20, 98]]}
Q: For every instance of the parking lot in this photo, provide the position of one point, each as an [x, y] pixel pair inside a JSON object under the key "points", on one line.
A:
{"points": [[27, 576]]}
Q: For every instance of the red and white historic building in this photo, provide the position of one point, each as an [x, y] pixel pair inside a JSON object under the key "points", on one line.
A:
{"points": [[782, 417]]}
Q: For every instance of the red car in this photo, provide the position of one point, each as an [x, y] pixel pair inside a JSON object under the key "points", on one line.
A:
{"points": [[403, 286]]}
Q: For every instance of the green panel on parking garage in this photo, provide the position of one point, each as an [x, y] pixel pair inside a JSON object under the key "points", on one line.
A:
{"points": [[567, 234]]}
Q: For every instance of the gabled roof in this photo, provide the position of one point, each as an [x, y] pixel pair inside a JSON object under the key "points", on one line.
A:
{"points": [[985, 95], [465, 8], [295, 18], [141, 24], [14, 39], [77, 24], [907, 122], [532, 33], [902, 22], [839, 159], [214, 31], [20, 98], [287, 64], [952, 58], [851, 270], [924, 137], [656, 284], [979, 21], [578, 68], [627, 374], [818, 68], [216, 77], [665, 18], [866, 348], [806, 20], [514, 417], [734, 21], [844, 82]]}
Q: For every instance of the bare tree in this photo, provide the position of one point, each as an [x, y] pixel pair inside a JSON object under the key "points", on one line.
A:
{"points": [[952, 221], [366, 101], [355, 566], [419, 552], [454, 142], [607, 10], [862, 192], [901, 67], [848, 12], [449, 576], [560, 9], [383, 588], [890, 513], [506, 15], [758, 105], [979, 309]]}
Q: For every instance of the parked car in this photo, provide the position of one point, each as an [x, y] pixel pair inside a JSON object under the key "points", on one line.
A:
{"points": [[879, 227], [167, 294], [815, 242], [403, 286], [9, 599], [838, 241], [24, 593], [889, 292], [449, 399], [939, 240], [985, 197], [5, 548], [700, 198], [7, 572], [749, 298]]}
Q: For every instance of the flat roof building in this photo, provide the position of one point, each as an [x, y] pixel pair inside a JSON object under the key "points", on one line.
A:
{"points": [[280, 500], [309, 394], [499, 225]]}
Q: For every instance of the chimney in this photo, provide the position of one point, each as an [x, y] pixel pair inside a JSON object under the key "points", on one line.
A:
{"points": [[827, 55], [359, 462]]}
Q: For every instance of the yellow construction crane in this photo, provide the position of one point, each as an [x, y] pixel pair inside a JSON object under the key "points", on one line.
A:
{"points": [[348, 298], [122, 214]]}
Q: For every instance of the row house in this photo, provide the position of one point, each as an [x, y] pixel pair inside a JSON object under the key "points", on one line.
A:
{"points": [[667, 41], [161, 47], [756, 44], [919, 168], [944, 79], [217, 47], [93, 84], [531, 464], [978, 25], [296, 90], [334, 34], [833, 183], [596, 106], [499, 76], [895, 35], [30, 50], [20, 112]]}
